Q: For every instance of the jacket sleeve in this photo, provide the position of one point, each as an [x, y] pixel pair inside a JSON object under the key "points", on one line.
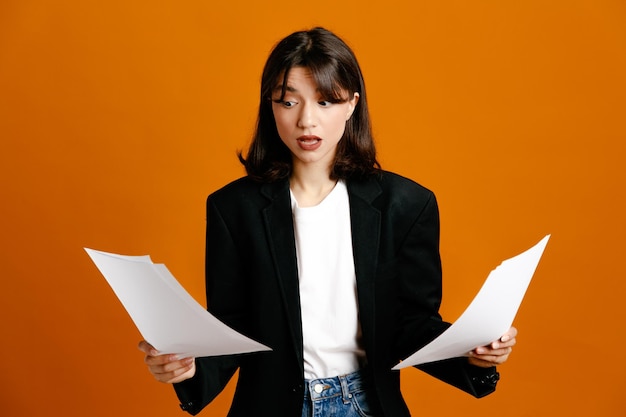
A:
{"points": [[458, 372], [421, 291], [225, 301], [420, 285], [212, 375]]}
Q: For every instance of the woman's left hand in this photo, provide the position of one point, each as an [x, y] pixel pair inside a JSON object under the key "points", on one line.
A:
{"points": [[495, 353]]}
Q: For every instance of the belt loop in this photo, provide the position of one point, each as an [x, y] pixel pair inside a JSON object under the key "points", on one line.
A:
{"points": [[345, 392]]}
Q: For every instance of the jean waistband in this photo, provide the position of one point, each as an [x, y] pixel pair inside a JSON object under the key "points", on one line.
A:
{"points": [[343, 385]]}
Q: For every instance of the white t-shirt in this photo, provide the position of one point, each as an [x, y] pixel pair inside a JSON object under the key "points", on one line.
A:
{"points": [[330, 322]]}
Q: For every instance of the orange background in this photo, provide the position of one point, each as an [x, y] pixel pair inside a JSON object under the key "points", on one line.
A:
{"points": [[117, 118]]}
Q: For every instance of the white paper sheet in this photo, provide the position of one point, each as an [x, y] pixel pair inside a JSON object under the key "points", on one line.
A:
{"points": [[489, 315], [165, 314]]}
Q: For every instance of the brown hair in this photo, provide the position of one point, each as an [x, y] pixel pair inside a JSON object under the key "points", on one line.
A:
{"points": [[335, 69]]}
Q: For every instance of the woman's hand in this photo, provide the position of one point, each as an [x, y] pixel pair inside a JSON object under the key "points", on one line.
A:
{"points": [[496, 353], [167, 368]]}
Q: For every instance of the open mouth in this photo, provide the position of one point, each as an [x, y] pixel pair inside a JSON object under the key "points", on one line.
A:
{"points": [[309, 142]]}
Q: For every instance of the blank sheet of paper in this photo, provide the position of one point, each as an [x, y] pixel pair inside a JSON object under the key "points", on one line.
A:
{"points": [[165, 314], [489, 315]]}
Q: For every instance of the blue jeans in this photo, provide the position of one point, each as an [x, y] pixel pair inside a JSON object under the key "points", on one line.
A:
{"points": [[351, 395]]}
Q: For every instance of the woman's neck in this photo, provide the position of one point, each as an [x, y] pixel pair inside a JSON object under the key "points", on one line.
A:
{"points": [[310, 187]]}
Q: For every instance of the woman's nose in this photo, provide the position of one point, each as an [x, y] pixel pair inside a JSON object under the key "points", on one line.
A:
{"points": [[307, 117]]}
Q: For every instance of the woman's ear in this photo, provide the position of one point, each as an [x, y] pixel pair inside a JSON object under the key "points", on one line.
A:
{"points": [[352, 105]]}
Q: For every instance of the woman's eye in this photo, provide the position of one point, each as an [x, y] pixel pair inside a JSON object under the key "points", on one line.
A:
{"points": [[284, 103], [325, 103]]}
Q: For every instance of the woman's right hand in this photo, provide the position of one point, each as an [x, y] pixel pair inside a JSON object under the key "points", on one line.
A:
{"points": [[167, 368]]}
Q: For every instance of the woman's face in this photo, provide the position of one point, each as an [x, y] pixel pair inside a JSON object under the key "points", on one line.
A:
{"points": [[308, 125]]}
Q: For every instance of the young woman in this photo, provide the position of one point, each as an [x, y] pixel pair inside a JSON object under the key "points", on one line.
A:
{"points": [[322, 256]]}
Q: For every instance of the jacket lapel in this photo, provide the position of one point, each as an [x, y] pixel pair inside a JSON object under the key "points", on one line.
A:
{"points": [[279, 228], [365, 222]]}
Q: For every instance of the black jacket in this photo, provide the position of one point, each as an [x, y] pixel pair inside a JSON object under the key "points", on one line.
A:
{"points": [[252, 286]]}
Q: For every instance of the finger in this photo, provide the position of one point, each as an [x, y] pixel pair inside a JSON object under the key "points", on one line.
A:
{"points": [[510, 334], [174, 371], [493, 357], [147, 348], [167, 367], [162, 360], [499, 344], [509, 343], [489, 351], [179, 378], [487, 361], [503, 342], [482, 363], [479, 362]]}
